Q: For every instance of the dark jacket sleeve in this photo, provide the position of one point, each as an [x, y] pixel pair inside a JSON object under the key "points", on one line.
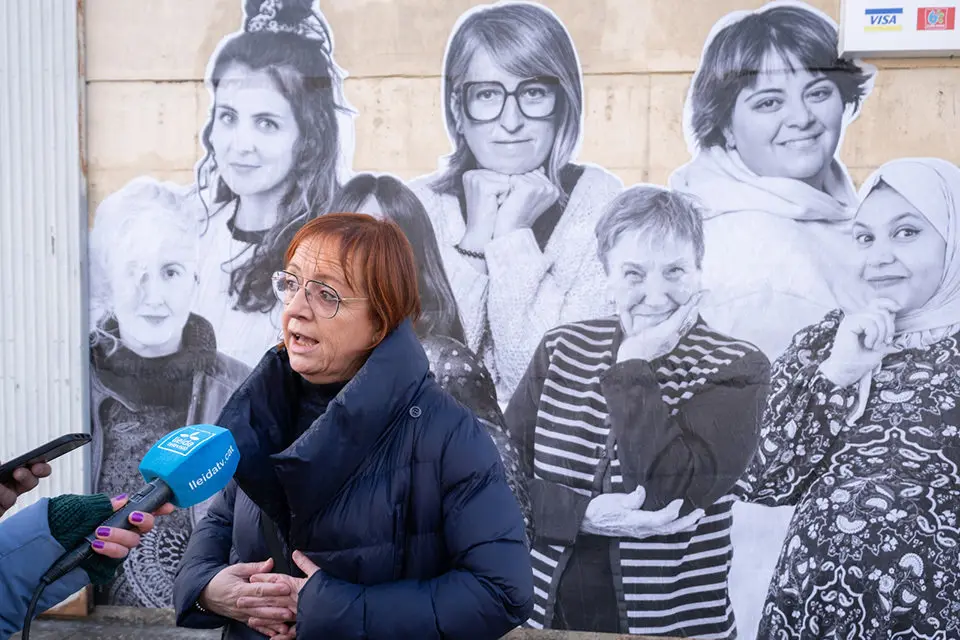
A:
{"points": [[488, 589], [698, 453], [557, 510], [207, 553]]}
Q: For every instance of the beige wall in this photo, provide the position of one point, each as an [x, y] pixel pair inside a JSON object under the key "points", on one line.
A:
{"points": [[146, 101]]}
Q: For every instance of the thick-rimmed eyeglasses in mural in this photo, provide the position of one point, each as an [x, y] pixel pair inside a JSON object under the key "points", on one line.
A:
{"points": [[512, 207], [536, 98], [322, 298]]}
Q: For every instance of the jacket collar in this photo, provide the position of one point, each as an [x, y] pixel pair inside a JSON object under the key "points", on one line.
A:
{"points": [[300, 479]]}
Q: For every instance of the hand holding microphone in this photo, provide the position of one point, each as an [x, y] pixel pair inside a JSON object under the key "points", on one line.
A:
{"points": [[186, 467]]}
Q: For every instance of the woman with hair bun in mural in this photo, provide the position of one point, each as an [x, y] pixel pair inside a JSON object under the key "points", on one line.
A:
{"points": [[513, 213], [439, 328], [766, 113], [273, 148]]}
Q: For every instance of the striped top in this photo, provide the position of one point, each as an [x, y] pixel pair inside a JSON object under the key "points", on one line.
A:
{"points": [[667, 585]]}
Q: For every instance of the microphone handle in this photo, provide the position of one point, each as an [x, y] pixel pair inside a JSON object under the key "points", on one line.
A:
{"points": [[151, 497]]}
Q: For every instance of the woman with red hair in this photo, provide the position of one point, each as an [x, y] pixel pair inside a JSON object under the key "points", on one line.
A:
{"points": [[356, 468]]}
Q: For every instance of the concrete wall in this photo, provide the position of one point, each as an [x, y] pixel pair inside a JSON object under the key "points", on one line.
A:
{"points": [[147, 103]]}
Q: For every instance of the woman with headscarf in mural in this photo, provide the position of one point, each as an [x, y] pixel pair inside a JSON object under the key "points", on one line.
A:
{"points": [[513, 213], [633, 428], [862, 430], [154, 365], [438, 328], [766, 112], [273, 147]]}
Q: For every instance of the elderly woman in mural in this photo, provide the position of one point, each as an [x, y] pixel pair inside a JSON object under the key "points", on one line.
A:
{"points": [[861, 431], [154, 365], [766, 111], [513, 214], [647, 408], [438, 327], [273, 149]]}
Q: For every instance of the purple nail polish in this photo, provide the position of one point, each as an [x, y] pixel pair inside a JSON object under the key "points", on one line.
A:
{"points": [[103, 532], [120, 497], [98, 544], [136, 517]]}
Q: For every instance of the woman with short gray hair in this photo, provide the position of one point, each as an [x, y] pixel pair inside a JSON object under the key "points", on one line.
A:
{"points": [[513, 213], [632, 429]]}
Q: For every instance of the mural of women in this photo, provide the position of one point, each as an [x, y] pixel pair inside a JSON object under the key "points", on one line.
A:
{"points": [[513, 213], [439, 328], [154, 365], [274, 146], [862, 430], [765, 117], [633, 429]]}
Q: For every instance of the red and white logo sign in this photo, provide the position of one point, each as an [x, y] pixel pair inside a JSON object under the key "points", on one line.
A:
{"points": [[936, 18]]}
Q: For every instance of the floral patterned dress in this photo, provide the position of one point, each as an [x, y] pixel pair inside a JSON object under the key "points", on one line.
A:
{"points": [[873, 549]]}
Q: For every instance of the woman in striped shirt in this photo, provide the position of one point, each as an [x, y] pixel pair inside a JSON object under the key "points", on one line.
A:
{"points": [[648, 408]]}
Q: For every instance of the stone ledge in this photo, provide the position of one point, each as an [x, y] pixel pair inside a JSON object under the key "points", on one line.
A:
{"points": [[128, 623]]}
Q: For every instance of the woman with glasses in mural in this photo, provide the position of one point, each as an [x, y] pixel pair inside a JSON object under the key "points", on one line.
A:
{"points": [[512, 212], [633, 428], [273, 146], [862, 430], [154, 365], [438, 327], [766, 112]]}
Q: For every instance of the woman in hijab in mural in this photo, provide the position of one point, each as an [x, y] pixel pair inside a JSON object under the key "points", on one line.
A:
{"points": [[439, 328], [766, 111], [862, 430], [273, 148], [626, 422], [513, 214], [154, 365]]}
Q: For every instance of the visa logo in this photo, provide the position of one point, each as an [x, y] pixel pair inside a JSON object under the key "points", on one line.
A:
{"points": [[883, 19]]}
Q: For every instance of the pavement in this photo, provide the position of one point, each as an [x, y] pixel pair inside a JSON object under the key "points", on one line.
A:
{"points": [[117, 623]]}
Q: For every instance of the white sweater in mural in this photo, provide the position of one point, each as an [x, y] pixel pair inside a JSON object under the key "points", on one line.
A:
{"points": [[525, 291]]}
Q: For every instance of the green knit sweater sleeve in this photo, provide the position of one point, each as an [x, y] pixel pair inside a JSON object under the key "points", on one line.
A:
{"points": [[71, 519]]}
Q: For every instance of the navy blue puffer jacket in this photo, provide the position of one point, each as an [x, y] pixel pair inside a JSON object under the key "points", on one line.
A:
{"points": [[396, 492]]}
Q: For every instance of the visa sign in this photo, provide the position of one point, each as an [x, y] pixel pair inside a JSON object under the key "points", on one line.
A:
{"points": [[883, 19]]}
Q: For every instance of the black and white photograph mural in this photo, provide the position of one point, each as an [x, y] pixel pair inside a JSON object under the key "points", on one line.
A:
{"points": [[861, 430], [512, 210], [726, 405], [764, 119], [178, 328], [154, 364], [636, 426], [275, 157]]}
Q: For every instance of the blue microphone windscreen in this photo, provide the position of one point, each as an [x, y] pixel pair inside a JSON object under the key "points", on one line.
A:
{"points": [[195, 461]]}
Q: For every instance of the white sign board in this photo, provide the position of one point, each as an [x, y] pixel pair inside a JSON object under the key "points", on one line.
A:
{"points": [[904, 29]]}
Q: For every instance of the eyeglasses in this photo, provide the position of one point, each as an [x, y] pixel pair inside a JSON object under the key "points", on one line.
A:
{"points": [[322, 298], [536, 98]]}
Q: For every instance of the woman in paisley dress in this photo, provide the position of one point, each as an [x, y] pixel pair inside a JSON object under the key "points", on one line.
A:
{"points": [[861, 431], [457, 368]]}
